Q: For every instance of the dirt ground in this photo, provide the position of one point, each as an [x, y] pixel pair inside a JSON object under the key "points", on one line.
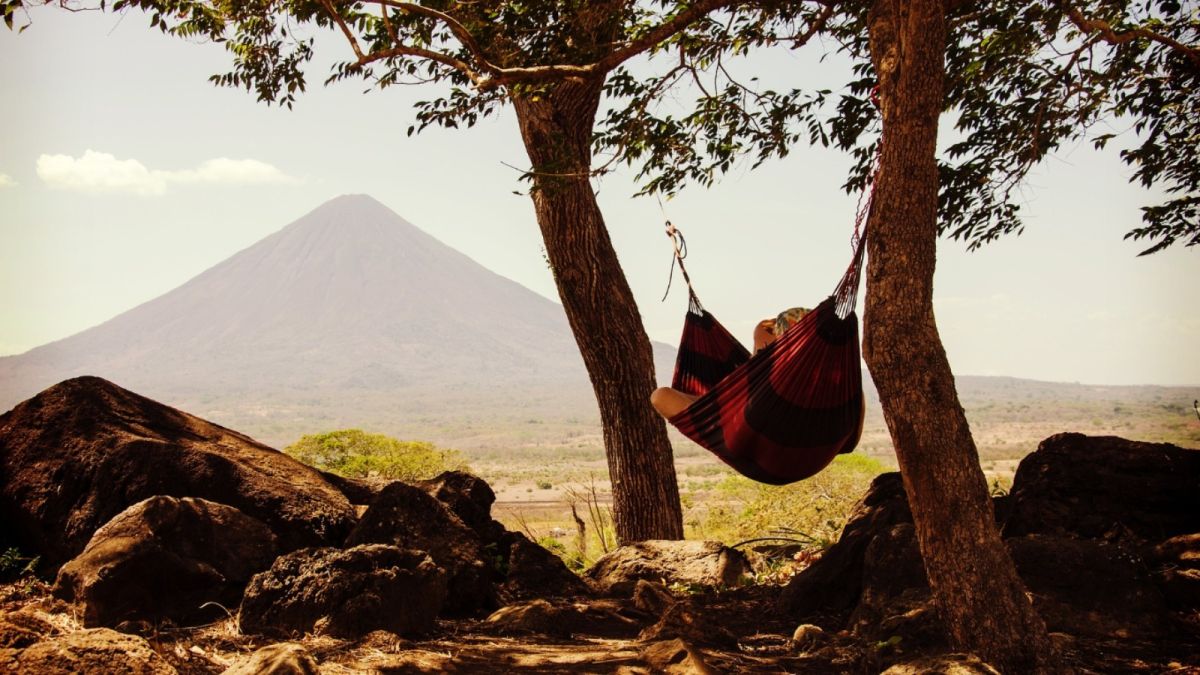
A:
{"points": [[763, 645]]}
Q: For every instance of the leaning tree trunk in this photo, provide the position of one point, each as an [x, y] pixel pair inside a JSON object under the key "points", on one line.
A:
{"points": [[974, 582], [556, 125]]}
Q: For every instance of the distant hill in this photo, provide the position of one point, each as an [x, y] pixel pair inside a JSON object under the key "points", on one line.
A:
{"points": [[349, 316]]}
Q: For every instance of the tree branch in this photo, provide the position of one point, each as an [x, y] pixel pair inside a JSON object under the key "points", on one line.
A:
{"points": [[460, 31], [1111, 36], [817, 25], [345, 30], [487, 75]]}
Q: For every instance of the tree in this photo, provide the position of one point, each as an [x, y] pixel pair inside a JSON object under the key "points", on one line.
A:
{"points": [[974, 582], [357, 454], [549, 59]]}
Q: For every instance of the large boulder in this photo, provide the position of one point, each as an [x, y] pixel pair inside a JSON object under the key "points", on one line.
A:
{"points": [[1087, 486], [165, 558], [833, 584], [468, 497], [345, 593], [524, 569], [98, 650], [896, 602], [702, 564], [406, 516], [530, 571], [1090, 588], [84, 450]]}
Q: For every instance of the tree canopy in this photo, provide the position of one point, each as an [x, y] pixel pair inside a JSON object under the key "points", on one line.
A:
{"points": [[1023, 80]]}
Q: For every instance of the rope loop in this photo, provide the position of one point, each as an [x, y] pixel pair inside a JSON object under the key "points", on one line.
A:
{"points": [[679, 244]]}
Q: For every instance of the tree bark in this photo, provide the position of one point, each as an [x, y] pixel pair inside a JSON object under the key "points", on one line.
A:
{"points": [[556, 126], [975, 585]]}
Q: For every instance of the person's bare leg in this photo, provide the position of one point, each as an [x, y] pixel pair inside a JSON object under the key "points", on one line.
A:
{"points": [[670, 402]]}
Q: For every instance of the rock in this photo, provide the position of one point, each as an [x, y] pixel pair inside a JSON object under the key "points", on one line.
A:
{"points": [[707, 564], [561, 619], [808, 637], [358, 491], [531, 571], [20, 629], [1176, 568], [1076, 485], [652, 598], [896, 603], [468, 497], [682, 620], [84, 450], [404, 515], [345, 593], [163, 558], [945, 664], [286, 658], [1090, 588], [1182, 551], [97, 650], [1180, 588], [833, 583], [675, 657]]}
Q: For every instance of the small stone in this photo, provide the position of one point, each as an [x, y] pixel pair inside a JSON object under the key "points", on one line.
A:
{"points": [[806, 637]]}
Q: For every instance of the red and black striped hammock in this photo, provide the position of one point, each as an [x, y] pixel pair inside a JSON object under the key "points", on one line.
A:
{"points": [[784, 413]]}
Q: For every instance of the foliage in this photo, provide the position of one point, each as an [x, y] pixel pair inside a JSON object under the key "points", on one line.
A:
{"points": [[14, 566], [813, 510], [1023, 80], [357, 454]]}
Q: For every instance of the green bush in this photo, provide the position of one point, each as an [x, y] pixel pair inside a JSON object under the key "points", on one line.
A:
{"points": [[14, 566], [355, 453], [813, 510]]}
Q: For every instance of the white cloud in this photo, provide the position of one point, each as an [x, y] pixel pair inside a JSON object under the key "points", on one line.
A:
{"points": [[102, 172], [7, 181]]}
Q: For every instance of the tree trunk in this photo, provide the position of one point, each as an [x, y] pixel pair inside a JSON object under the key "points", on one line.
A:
{"points": [[556, 125], [974, 582]]}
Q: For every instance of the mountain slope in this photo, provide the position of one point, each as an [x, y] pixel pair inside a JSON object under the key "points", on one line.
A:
{"points": [[349, 307]]}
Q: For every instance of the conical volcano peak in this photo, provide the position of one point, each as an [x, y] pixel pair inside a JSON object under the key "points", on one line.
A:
{"points": [[349, 313]]}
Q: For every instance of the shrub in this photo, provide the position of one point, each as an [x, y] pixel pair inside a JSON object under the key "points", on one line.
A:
{"points": [[355, 453], [813, 510]]}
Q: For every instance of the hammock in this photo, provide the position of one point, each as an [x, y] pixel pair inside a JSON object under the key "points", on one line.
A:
{"points": [[784, 413]]}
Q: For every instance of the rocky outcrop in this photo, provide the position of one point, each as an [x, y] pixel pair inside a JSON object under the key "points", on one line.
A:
{"points": [[99, 650], [82, 451], [1093, 486], [405, 515], [896, 602], [468, 497], [833, 584], [165, 558], [530, 571], [1090, 588], [706, 564], [345, 593], [1114, 547]]}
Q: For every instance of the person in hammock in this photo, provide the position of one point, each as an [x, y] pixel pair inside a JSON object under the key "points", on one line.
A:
{"points": [[670, 402]]}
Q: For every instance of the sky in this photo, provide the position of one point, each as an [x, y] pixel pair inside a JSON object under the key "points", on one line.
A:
{"points": [[124, 173]]}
